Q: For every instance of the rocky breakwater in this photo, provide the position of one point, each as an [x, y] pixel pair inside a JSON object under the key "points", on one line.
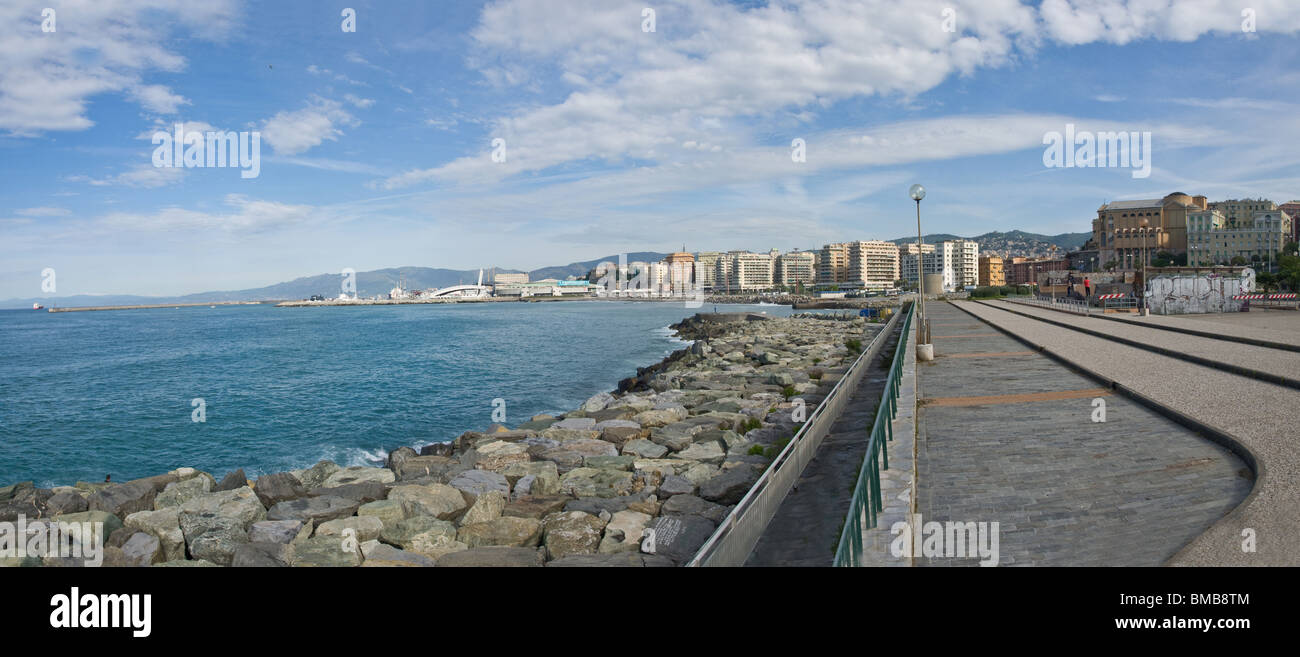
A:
{"points": [[637, 477]]}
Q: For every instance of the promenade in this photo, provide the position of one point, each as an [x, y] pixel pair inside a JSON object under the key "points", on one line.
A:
{"points": [[1257, 415], [1007, 435]]}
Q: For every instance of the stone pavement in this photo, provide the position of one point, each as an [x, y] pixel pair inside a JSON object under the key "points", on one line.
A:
{"points": [[1259, 324], [1006, 435], [1258, 416], [806, 528]]}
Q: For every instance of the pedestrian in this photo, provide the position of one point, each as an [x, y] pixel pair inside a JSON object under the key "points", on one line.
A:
{"points": [[1087, 287]]}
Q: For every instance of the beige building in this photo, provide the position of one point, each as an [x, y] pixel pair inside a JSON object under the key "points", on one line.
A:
{"points": [[742, 271], [1214, 239], [1120, 236], [833, 264], [936, 258], [706, 264], [1240, 213], [796, 268], [873, 264], [992, 272]]}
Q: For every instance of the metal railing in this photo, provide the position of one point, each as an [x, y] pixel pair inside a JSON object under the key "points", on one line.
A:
{"points": [[738, 533], [1059, 303], [867, 501]]}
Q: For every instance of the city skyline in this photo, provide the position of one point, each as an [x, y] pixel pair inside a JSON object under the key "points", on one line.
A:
{"points": [[378, 144]]}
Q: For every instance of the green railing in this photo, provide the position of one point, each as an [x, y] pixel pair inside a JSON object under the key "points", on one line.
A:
{"points": [[867, 501]]}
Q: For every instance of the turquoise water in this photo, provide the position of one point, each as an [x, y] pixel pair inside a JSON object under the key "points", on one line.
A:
{"points": [[87, 394]]}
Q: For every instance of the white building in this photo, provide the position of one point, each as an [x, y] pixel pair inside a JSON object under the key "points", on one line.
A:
{"points": [[796, 268], [965, 263], [937, 259]]}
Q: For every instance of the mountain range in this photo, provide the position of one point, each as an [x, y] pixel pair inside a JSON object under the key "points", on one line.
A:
{"points": [[1013, 243]]}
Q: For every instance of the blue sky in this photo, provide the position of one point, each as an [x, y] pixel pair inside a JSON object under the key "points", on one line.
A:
{"points": [[376, 146]]}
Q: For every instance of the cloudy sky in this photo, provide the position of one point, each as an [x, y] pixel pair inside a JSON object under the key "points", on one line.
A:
{"points": [[376, 146]]}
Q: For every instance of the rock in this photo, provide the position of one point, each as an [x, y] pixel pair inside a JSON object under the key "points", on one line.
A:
{"points": [[699, 473], [316, 475], [424, 535], [730, 485], [623, 533], [597, 402], [66, 502], [326, 552], [473, 483], [361, 528], [280, 532], [546, 477], [359, 474], [388, 556], [565, 435], [438, 500], [675, 485], [486, 508], [232, 481], [239, 504], [183, 491], [143, 549], [623, 462], [678, 537], [569, 533], [596, 505], [389, 512], [661, 417], [498, 455], [590, 482], [182, 563], [439, 449], [710, 452], [398, 456], [279, 487], [591, 447], [263, 555], [120, 537], [620, 435], [363, 492], [575, 424], [504, 531], [673, 439], [315, 509], [124, 499], [564, 459], [212, 537], [538, 423], [492, 557], [780, 379], [523, 487], [163, 524], [645, 449], [691, 505], [535, 507], [616, 424]]}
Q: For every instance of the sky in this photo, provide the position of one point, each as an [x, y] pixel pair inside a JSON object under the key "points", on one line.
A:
{"points": [[528, 133]]}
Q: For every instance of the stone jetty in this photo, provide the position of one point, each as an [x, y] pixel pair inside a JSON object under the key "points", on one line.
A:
{"points": [[640, 476]]}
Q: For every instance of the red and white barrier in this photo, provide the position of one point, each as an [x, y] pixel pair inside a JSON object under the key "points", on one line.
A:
{"points": [[1111, 296], [1282, 296], [1249, 297]]}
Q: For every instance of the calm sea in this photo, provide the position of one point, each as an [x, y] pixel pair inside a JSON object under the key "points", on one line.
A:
{"points": [[87, 394]]}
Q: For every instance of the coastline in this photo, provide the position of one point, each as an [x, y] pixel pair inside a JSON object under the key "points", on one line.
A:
{"points": [[694, 427]]}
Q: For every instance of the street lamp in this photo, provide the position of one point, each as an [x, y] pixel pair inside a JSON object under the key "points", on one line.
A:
{"points": [[924, 350], [1145, 224]]}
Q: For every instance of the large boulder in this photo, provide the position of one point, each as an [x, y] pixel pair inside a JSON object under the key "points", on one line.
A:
{"points": [[363, 492], [389, 512], [486, 508], [678, 537], [314, 509], [590, 482], [569, 533], [326, 552], [359, 474], [623, 532], [642, 448], [546, 477], [361, 528], [438, 500], [473, 483], [679, 505], [588, 448], [504, 531], [614, 560], [316, 475], [729, 486], [597, 402], [499, 455], [381, 555], [618, 435], [279, 487], [424, 535], [66, 502], [707, 452], [212, 537], [164, 524], [240, 505], [438, 467], [232, 481], [399, 456], [492, 557], [180, 492], [280, 532], [536, 506], [263, 555], [122, 500], [675, 485], [661, 417], [143, 549]]}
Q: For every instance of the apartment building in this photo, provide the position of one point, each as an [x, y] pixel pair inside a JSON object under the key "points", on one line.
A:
{"points": [[1214, 239], [706, 264], [833, 265], [965, 263], [796, 268], [1120, 236], [1292, 209], [742, 271], [936, 259], [991, 271]]}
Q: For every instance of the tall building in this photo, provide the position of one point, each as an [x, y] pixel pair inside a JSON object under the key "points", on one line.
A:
{"points": [[833, 265], [501, 278], [965, 263], [1024, 270], [706, 263], [873, 264], [937, 259], [742, 271], [1292, 209], [1120, 236], [681, 272], [1240, 213], [796, 268], [991, 271], [1214, 239]]}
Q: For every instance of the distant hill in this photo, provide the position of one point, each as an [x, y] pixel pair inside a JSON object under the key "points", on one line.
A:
{"points": [[369, 283], [1014, 243]]}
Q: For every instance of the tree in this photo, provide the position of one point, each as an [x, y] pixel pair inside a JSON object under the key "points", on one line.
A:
{"points": [[1238, 261], [1291, 248], [1266, 281], [1110, 265]]}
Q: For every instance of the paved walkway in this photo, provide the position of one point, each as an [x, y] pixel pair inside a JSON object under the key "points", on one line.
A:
{"points": [[1260, 324], [1260, 416], [806, 529], [1006, 435]]}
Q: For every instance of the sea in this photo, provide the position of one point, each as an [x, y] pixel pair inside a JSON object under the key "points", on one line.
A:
{"points": [[136, 393]]}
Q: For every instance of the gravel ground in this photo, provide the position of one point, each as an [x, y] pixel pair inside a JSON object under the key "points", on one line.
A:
{"points": [[1272, 361], [1272, 325], [1260, 416]]}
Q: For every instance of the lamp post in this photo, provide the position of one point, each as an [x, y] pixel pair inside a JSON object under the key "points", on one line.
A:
{"points": [[1144, 224], [924, 350]]}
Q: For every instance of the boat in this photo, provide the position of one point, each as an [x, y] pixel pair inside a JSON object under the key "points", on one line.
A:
{"points": [[37, 306]]}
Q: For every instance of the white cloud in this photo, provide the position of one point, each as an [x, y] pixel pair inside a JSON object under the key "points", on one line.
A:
{"points": [[44, 212], [245, 216], [290, 133], [100, 46]]}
